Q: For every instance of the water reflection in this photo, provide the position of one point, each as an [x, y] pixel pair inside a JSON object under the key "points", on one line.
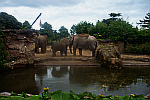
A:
{"points": [[59, 71], [18, 81], [78, 79]]}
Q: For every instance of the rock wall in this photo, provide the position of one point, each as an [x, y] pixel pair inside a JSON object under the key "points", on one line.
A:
{"points": [[20, 47], [109, 56], [119, 44]]}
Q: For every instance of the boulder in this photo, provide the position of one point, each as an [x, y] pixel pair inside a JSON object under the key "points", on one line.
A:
{"points": [[109, 56], [20, 47]]}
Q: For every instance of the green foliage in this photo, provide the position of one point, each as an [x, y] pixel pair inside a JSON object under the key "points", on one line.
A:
{"points": [[59, 95], [47, 30], [63, 32], [9, 21], [3, 53], [138, 49], [72, 30], [146, 22], [81, 28], [26, 25], [53, 35]]}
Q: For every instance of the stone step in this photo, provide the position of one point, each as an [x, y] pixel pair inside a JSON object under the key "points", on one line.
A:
{"points": [[67, 63]]}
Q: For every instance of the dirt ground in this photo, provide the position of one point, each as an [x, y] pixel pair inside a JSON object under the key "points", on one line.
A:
{"points": [[85, 59]]}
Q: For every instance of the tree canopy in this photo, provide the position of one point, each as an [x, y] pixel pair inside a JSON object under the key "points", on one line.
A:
{"points": [[9, 22], [63, 32], [145, 23], [26, 25]]}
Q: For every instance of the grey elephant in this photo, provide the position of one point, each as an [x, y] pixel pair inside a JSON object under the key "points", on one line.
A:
{"points": [[41, 42], [71, 42], [58, 46], [66, 42], [83, 41]]}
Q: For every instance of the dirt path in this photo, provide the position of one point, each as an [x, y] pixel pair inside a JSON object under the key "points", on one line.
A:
{"points": [[86, 59], [47, 59]]}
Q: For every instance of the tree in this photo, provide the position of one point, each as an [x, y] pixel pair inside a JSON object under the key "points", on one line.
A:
{"points": [[26, 25], [47, 30], [81, 28], [73, 30], [113, 18], [145, 22], [9, 21], [114, 15], [64, 32]]}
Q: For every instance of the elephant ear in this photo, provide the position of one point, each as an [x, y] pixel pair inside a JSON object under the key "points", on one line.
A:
{"points": [[92, 38]]}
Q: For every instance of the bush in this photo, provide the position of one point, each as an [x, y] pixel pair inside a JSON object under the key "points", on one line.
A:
{"points": [[138, 49], [3, 53]]}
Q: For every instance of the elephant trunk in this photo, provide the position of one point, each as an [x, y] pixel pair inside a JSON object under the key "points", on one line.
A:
{"points": [[70, 45]]}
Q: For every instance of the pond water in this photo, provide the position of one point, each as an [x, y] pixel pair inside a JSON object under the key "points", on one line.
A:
{"points": [[78, 79]]}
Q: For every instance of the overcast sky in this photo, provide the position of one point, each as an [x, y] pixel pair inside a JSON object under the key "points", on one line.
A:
{"points": [[68, 12]]}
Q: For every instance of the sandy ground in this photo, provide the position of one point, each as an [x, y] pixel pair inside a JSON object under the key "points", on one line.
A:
{"points": [[85, 59]]}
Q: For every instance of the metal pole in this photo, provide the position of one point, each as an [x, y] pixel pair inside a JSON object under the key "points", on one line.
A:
{"points": [[149, 33], [36, 19]]}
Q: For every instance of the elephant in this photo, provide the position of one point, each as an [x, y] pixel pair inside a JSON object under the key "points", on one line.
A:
{"points": [[66, 42], [71, 42], [83, 41], [41, 42], [58, 46]]}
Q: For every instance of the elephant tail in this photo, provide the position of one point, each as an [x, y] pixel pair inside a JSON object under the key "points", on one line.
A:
{"points": [[52, 47], [96, 46]]}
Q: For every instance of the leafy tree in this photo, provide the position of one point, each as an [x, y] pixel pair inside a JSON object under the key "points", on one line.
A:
{"points": [[47, 30], [118, 29], [146, 22], [72, 30], [9, 21], [92, 30], [63, 32], [81, 28], [101, 29], [3, 53], [114, 15], [113, 18], [47, 26], [26, 25]]}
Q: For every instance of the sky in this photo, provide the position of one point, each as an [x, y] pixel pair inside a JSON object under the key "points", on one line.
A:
{"points": [[68, 12]]}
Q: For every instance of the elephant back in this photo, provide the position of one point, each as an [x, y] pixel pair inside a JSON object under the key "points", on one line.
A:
{"points": [[43, 38], [92, 38], [83, 35], [58, 46], [65, 41]]}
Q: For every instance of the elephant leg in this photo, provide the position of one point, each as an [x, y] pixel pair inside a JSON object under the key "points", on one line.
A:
{"points": [[45, 49], [35, 50], [80, 52], [54, 54], [74, 51], [93, 53], [65, 51], [70, 48], [42, 50], [38, 50], [61, 53]]}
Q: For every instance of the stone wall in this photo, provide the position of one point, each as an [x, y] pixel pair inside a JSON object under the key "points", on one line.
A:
{"points": [[119, 44], [20, 47]]}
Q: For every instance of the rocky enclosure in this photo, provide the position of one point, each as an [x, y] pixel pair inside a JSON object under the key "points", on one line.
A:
{"points": [[20, 47]]}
